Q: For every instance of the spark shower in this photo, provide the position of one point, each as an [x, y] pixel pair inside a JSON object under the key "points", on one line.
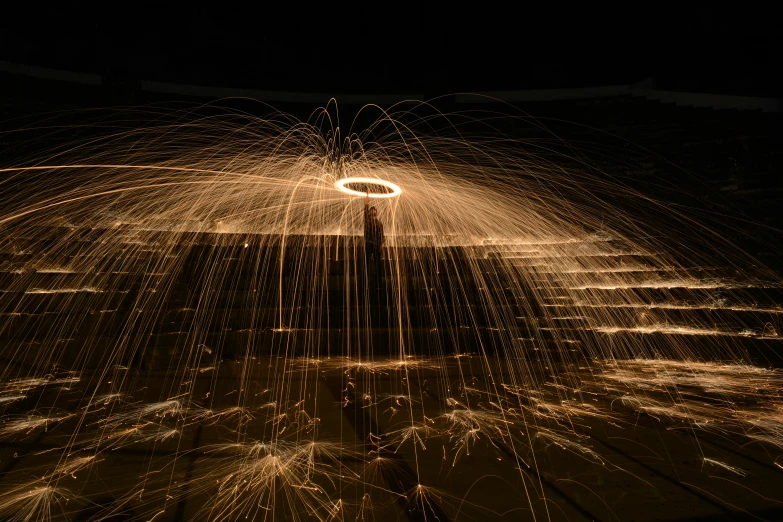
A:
{"points": [[187, 330]]}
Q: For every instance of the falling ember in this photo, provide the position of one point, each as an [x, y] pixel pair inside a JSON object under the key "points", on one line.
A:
{"points": [[191, 328]]}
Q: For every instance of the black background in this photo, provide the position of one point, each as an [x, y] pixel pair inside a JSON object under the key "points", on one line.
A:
{"points": [[402, 48]]}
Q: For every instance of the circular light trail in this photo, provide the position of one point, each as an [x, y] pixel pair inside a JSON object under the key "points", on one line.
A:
{"points": [[395, 190]]}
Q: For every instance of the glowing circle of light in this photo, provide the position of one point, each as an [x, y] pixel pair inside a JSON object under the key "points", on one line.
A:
{"points": [[395, 189]]}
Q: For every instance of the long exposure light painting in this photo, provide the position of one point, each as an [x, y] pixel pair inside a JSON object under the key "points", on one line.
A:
{"points": [[188, 331]]}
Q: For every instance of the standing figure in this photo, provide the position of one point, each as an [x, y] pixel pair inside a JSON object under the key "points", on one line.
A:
{"points": [[373, 239]]}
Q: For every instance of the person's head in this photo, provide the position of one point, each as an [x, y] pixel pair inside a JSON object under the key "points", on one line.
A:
{"points": [[373, 212]]}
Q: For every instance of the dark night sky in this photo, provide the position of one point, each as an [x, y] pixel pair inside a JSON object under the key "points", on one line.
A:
{"points": [[393, 47]]}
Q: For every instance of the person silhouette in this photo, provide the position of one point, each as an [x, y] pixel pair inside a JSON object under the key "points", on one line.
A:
{"points": [[373, 239]]}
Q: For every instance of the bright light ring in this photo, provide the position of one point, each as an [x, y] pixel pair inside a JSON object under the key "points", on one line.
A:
{"points": [[395, 190]]}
